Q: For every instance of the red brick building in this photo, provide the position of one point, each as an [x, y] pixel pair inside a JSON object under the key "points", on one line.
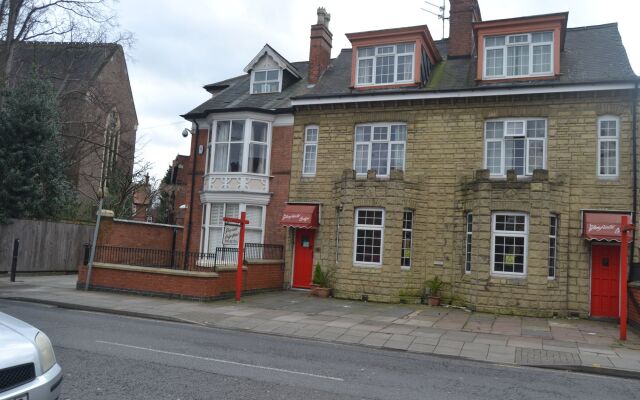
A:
{"points": [[241, 146]]}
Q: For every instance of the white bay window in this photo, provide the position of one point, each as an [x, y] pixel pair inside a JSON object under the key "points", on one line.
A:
{"points": [[518, 144], [240, 146], [379, 147]]}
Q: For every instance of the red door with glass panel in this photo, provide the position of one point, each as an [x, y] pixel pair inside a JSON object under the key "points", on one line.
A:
{"points": [[303, 258], [605, 281]]}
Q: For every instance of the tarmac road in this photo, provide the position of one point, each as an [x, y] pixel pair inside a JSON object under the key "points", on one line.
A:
{"points": [[113, 357]]}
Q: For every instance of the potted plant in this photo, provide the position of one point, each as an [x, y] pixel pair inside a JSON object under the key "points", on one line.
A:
{"points": [[321, 280], [434, 286]]}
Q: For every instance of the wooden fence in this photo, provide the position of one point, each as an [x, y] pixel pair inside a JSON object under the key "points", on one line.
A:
{"points": [[45, 246]]}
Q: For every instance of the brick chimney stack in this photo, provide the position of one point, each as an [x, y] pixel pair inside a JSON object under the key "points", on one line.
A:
{"points": [[462, 15], [320, 46]]}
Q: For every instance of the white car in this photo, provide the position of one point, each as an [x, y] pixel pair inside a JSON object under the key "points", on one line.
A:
{"points": [[28, 367]]}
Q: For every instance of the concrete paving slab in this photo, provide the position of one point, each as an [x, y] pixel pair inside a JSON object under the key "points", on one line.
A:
{"points": [[447, 351], [491, 339], [426, 340], [268, 326], [308, 331], [294, 317], [476, 351], [428, 332], [501, 354], [421, 348], [595, 361], [288, 328], [342, 323], [375, 339], [459, 336], [401, 329], [526, 342], [597, 349], [451, 343], [625, 363], [330, 333]]}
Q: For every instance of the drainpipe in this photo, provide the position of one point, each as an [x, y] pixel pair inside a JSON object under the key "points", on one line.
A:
{"points": [[193, 184], [338, 212], [634, 272]]}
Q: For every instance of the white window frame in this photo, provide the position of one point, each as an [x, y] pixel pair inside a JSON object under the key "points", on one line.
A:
{"points": [[468, 242], [370, 147], [252, 80], [377, 53], [206, 225], [553, 250], [410, 231], [357, 227], [524, 234], [309, 144], [503, 168], [602, 139], [506, 45], [247, 140]]}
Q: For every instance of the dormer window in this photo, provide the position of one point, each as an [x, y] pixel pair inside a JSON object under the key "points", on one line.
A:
{"points": [[521, 55], [270, 72], [392, 57], [525, 48], [388, 64], [268, 81]]}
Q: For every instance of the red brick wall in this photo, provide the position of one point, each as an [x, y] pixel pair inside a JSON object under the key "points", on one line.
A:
{"points": [[634, 304], [256, 277], [137, 235], [187, 286], [281, 143], [196, 141]]}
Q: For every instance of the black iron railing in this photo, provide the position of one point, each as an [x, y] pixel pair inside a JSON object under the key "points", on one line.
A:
{"points": [[191, 261], [257, 251]]}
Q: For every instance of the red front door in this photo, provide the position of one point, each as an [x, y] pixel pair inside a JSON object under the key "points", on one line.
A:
{"points": [[303, 259], [605, 281]]}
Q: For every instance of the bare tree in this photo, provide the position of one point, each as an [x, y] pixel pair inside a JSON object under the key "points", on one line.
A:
{"points": [[54, 20]]}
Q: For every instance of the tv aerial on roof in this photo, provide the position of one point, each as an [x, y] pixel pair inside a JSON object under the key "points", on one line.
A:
{"points": [[440, 14]]}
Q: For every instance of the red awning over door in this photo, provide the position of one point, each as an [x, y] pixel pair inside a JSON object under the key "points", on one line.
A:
{"points": [[303, 216], [602, 226]]}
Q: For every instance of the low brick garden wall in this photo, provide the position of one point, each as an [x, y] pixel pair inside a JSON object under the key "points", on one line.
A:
{"points": [[257, 277]]}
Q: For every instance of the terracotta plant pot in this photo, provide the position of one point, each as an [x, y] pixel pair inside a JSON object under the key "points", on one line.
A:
{"points": [[312, 289], [323, 292], [434, 301]]}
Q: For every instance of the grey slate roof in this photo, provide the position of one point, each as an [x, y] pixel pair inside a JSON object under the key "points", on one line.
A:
{"points": [[237, 95], [68, 66], [592, 54]]}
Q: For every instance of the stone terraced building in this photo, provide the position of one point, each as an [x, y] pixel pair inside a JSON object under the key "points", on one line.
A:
{"points": [[479, 159], [499, 159]]}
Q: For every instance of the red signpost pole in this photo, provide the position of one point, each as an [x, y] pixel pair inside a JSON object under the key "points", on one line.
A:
{"points": [[242, 221], [625, 227]]}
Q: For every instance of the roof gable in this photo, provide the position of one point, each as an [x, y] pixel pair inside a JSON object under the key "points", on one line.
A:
{"points": [[274, 56]]}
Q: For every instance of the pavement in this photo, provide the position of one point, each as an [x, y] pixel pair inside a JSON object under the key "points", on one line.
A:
{"points": [[559, 343], [106, 356]]}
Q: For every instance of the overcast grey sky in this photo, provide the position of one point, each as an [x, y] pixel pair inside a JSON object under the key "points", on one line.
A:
{"points": [[182, 45]]}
